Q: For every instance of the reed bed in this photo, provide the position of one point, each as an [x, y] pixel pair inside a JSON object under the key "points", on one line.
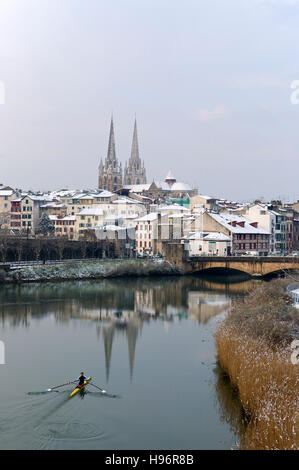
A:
{"points": [[253, 345]]}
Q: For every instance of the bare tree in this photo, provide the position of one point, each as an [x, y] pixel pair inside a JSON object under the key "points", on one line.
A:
{"points": [[83, 246], [4, 247], [19, 237], [37, 248], [61, 244], [4, 219]]}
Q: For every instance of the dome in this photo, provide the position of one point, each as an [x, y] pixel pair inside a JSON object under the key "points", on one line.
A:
{"points": [[180, 187], [170, 179]]}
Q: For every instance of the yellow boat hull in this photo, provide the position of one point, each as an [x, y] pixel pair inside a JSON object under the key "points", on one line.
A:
{"points": [[77, 389]]}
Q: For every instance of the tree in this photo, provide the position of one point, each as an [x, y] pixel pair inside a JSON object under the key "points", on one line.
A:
{"points": [[61, 244], [4, 218], [45, 226], [3, 247]]}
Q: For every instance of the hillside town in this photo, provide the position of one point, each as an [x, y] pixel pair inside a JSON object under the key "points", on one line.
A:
{"points": [[138, 214]]}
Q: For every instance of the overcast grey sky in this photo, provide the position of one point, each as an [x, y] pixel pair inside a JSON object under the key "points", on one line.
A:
{"points": [[209, 81]]}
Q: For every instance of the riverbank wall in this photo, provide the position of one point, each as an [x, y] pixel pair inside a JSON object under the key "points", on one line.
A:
{"points": [[254, 346], [89, 270]]}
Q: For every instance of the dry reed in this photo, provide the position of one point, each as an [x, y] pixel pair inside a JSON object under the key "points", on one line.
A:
{"points": [[253, 345]]}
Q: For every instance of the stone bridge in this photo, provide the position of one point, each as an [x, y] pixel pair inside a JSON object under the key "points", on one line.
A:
{"points": [[254, 266]]}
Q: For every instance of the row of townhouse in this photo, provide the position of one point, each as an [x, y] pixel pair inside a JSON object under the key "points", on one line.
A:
{"points": [[246, 236], [260, 228], [281, 222], [70, 212], [205, 233]]}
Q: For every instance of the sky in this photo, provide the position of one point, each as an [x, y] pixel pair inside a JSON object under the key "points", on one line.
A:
{"points": [[209, 82]]}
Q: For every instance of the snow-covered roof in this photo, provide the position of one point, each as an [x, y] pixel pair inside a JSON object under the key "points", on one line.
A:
{"points": [[148, 217], [202, 196], [208, 236], [178, 186], [216, 236], [104, 194], [172, 207], [126, 200], [53, 205], [137, 188], [91, 211], [226, 218], [83, 196], [6, 192]]}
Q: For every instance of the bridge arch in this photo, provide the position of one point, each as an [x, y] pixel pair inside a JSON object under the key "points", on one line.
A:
{"points": [[221, 270], [252, 266]]}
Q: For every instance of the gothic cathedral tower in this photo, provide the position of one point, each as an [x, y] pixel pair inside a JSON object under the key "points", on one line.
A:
{"points": [[110, 173], [134, 172]]}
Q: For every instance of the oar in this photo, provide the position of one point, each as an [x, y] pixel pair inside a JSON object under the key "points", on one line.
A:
{"points": [[103, 391], [62, 385]]}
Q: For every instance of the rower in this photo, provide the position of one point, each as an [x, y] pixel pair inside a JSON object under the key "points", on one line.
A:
{"points": [[81, 379]]}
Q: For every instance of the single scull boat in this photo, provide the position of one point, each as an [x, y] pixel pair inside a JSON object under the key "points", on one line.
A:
{"points": [[78, 389]]}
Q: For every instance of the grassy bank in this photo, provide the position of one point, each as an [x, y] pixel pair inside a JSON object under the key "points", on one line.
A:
{"points": [[91, 270], [253, 345]]}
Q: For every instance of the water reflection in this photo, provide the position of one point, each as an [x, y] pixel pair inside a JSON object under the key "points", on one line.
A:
{"points": [[117, 299], [229, 405], [117, 312], [119, 307]]}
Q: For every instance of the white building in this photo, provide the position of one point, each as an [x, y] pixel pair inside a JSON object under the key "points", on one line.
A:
{"points": [[269, 220], [88, 218], [207, 243], [146, 231]]}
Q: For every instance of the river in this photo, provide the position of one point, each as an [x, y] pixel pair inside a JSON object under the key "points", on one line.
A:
{"points": [[148, 342]]}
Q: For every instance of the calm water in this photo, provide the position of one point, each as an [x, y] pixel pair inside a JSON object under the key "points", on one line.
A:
{"points": [[150, 342]]}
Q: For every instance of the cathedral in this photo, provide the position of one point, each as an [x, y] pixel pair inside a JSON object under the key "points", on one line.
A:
{"points": [[111, 177]]}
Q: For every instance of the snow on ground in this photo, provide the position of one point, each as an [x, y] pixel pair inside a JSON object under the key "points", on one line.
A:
{"points": [[92, 270]]}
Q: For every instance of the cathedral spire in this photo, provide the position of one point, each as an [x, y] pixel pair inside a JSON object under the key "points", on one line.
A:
{"points": [[135, 149], [111, 155], [110, 174]]}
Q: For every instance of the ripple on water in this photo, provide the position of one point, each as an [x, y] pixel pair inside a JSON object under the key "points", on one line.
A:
{"points": [[70, 431]]}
